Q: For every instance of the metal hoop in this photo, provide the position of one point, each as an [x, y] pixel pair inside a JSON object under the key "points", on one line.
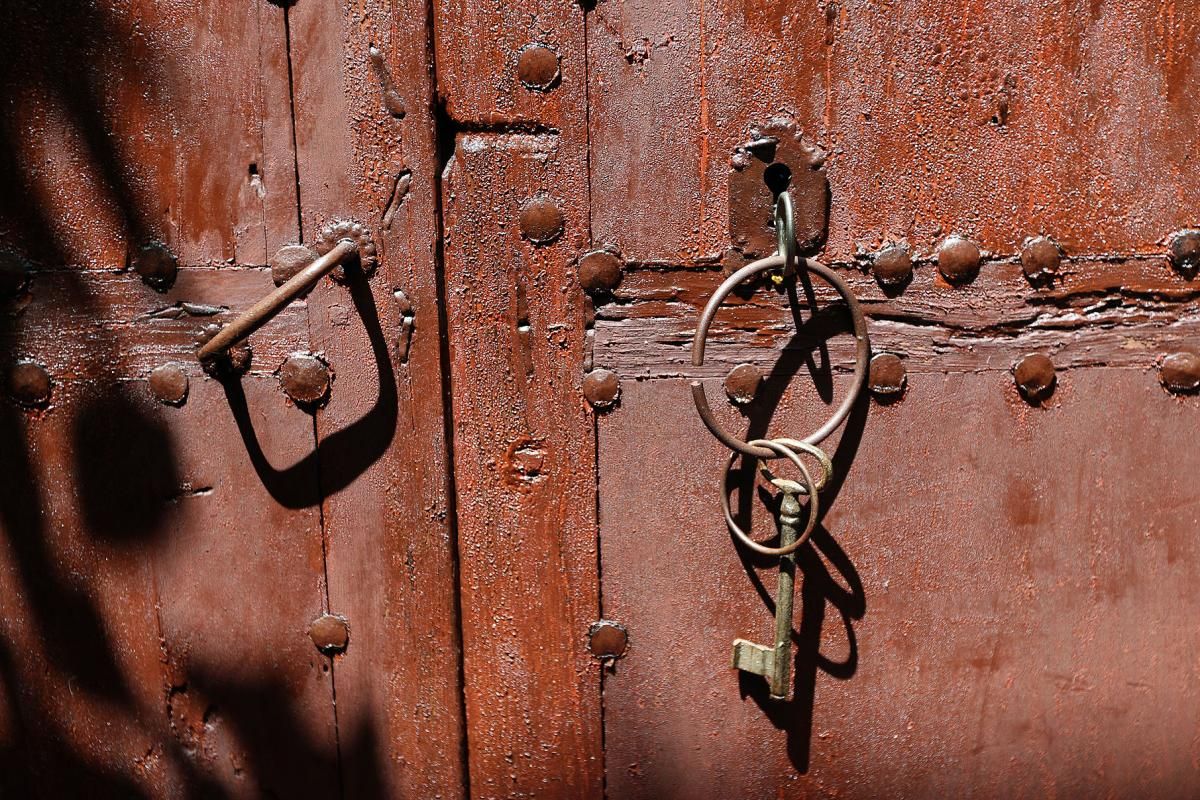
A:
{"points": [[785, 233], [861, 358], [812, 450], [814, 505]]}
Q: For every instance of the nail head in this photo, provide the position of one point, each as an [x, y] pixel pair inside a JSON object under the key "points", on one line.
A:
{"points": [[305, 379], [958, 260], [601, 387], [29, 384], [1180, 372], [169, 383], [742, 382], [537, 67], [608, 639], [541, 219], [599, 271], [887, 377], [1035, 376], [330, 633]]}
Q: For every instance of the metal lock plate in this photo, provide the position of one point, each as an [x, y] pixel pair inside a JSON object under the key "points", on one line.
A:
{"points": [[775, 156]]}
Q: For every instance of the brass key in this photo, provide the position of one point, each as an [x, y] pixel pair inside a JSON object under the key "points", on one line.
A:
{"points": [[775, 662]]}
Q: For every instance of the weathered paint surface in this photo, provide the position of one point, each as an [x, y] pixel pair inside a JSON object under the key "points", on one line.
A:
{"points": [[1000, 601], [990, 119]]}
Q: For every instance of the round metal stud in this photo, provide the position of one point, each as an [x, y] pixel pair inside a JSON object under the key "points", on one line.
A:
{"points": [[29, 384], [330, 633], [537, 68], [742, 382], [157, 265], [607, 639], [1040, 259], [169, 384], [305, 378], [599, 271], [958, 260], [1035, 377], [892, 266], [888, 377], [602, 388], [541, 219], [1180, 372], [289, 260]]}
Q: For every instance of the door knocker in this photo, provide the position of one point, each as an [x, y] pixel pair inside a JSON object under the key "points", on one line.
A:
{"points": [[774, 662]]}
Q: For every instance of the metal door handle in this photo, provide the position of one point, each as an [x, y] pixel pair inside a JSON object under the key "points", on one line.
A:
{"points": [[342, 239]]}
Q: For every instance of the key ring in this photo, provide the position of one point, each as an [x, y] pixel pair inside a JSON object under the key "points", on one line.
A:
{"points": [[861, 356], [789, 485], [813, 501]]}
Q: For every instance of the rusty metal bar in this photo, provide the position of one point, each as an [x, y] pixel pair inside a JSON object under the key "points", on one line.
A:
{"points": [[265, 310]]}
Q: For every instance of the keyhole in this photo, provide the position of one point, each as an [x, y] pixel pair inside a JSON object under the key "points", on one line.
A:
{"points": [[777, 177]]}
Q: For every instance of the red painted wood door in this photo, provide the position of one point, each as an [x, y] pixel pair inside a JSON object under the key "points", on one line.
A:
{"points": [[211, 587]]}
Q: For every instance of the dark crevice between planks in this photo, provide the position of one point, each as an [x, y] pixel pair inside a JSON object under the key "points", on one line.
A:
{"points": [[445, 133]]}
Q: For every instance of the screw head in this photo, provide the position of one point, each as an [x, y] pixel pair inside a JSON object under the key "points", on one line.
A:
{"points": [[599, 271], [14, 274], [888, 377], [169, 383], [541, 219], [958, 260], [1040, 259], [537, 68], [742, 382], [1184, 250], [289, 260], [29, 384], [1035, 377], [330, 633], [1180, 372], [157, 265], [601, 387], [305, 379], [608, 639], [892, 266]]}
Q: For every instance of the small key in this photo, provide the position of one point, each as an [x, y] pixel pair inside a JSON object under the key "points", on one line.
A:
{"points": [[775, 662]]}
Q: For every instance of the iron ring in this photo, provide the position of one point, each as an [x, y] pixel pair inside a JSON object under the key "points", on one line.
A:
{"points": [[814, 451], [814, 505], [862, 354]]}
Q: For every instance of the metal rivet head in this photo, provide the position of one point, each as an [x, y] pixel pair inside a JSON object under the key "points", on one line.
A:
{"points": [[169, 383], [892, 266], [888, 377], [958, 260], [330, 633], [29, 384], [1184, 250], [234, 361], [289, 260], [1035, 377], [157, 265], [1040, 259], [742, 382], [1180, 372], [541, 219], [305, 378], [601, 387], [608, 639], [599, 271], [537, 68], [14, 274]]}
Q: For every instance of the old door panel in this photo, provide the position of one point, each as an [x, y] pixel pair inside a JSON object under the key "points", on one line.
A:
{"points": [[367, 152], [145, 121], [158, 595], [992, 119], [998, 603]]}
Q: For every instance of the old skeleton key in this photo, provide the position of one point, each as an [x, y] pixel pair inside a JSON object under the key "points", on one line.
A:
{"points": [[775, 662]]}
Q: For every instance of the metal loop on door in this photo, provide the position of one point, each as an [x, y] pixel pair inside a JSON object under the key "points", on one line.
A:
{"points": [[809, 486], [862, 353]]}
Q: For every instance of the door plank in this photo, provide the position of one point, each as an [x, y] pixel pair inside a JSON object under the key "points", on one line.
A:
{"points": [[367, 151], [988, 119], [524, 440], [999, 605]]}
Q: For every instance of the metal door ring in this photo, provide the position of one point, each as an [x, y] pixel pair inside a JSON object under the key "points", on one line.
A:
{"points": [[861, 358], [814, 505]]}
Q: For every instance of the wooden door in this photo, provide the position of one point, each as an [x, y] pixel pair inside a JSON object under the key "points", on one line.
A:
{"points": [[211, 589], [998, 599]]}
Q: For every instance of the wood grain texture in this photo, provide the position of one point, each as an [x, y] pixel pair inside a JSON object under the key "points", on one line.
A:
{"points": [[524, 470], [1121, 312], [986, 119], [999, 601], [384, 459], [132, 122]]}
